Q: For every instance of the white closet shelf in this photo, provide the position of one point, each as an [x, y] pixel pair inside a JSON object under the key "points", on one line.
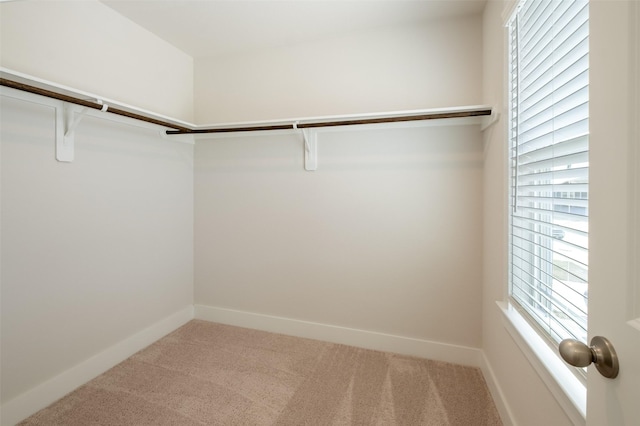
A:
{"points": [[24, 82]]}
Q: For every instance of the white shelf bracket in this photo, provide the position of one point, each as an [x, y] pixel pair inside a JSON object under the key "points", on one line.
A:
{"points": [[66, 123], [64, 138], [310, 148]]}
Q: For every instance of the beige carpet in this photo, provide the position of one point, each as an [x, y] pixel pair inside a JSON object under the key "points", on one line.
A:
{"points": [[212, 374]]}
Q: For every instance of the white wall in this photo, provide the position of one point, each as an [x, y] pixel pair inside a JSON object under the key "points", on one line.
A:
{"points": [[433, 65], [385, 236], [527, 397], [93, 251], [88, 46]]}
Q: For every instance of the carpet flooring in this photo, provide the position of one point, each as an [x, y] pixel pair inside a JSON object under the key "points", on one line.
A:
{"points": [[212, 374]]}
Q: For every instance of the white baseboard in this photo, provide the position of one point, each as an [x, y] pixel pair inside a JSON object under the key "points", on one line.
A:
{"points": [[496, 392], [50, 391], [348, 336]]}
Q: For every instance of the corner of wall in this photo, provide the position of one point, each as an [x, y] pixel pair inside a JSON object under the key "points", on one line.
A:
{"points": [[88, 46], [456, 354], [46, 393]]}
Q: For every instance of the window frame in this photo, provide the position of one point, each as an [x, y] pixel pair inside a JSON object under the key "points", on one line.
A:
{"points": [[568, 388]]}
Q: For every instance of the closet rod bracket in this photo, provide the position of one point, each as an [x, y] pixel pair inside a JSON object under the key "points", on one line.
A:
{"points": [[310, 137], [66, 123], [490, 120]]}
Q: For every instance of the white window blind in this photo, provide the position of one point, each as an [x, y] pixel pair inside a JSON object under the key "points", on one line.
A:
{"points": [[549, 155]]}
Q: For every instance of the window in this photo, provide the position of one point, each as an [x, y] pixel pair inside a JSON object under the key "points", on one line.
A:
{"points": [[549, 163]]}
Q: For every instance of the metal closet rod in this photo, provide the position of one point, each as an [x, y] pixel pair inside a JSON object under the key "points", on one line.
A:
{"points": [[181, 130], [59, 96], [395, 119]]}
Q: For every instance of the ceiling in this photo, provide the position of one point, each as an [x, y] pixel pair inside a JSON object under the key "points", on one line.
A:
{"points": [[206, 28]]}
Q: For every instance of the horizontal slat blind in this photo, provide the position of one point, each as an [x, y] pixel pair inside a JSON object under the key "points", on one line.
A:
{"points": [[549, 143]]}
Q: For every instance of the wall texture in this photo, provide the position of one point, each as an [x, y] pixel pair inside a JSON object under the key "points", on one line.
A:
{"points": [[527, 397], [88, 46], [92, 251], [385, 236], [433, 65]]}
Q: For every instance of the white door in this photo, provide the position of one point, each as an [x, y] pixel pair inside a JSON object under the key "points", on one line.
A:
{"points": [[614, 274]]}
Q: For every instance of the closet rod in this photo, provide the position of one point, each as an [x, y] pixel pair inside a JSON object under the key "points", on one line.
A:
{"points": [[49, 94], [394, 119], [178, 129]]}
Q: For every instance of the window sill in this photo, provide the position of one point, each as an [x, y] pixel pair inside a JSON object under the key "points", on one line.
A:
{"points": [[567, 389]]}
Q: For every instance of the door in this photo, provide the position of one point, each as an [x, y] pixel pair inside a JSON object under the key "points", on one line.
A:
{"points": [[614, 275]]}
